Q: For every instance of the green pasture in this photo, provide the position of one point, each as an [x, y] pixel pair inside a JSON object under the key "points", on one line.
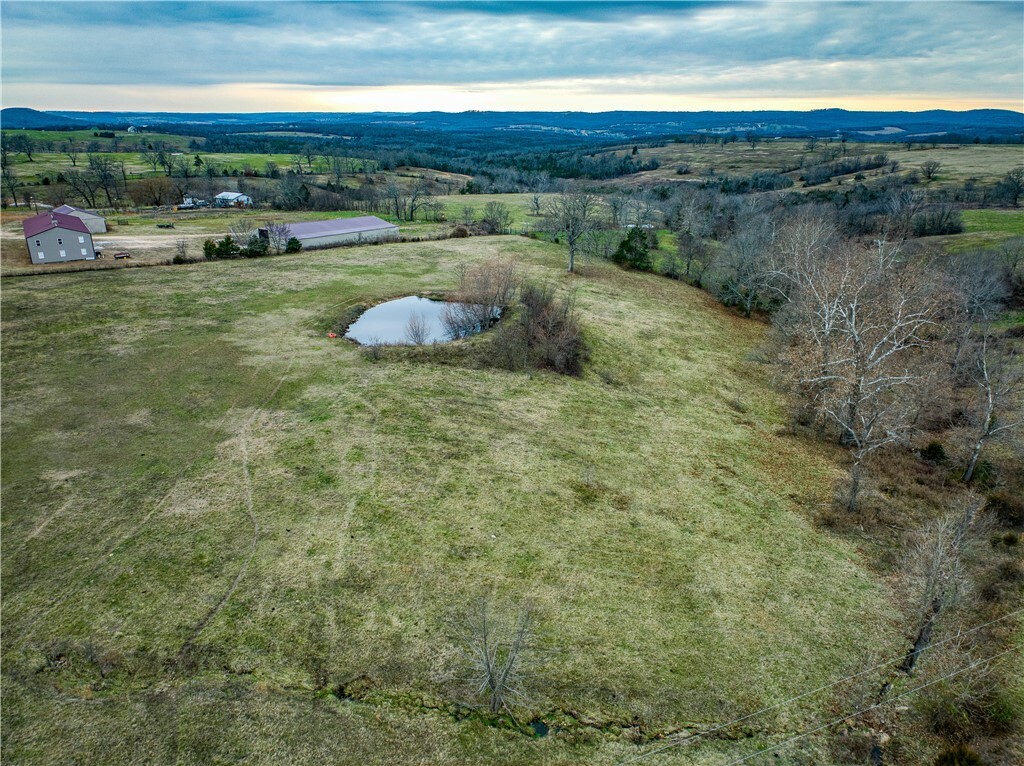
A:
{"points": [[984, 229], [1009, 222], [83, 138], [49, 164], [228, 537], [519, 205]]}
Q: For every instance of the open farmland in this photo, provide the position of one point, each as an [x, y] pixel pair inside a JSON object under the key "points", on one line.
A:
{"points": [[980, 163], [260, 551], [141, 235]]}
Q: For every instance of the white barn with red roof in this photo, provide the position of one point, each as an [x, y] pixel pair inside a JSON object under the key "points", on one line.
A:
{"points": [[56, 238], [340, 231], [97, 224]]}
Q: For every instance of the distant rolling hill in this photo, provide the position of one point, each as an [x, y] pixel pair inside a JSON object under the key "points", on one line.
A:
{"points": [[20, 117], [866, 125]]}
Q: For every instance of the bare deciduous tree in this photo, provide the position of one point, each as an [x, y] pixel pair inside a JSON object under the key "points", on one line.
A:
{"points": [[999, 380], [418, 198], [901, 207], [277, 234], [417, 330], [106, 173], [859, 329], [484, 291], [152, 191], [747, 271], [70, 149], [536, 204], [11, 181], [84, 184], [641, 211], [935, 573], [22, 144], [601, 244], [930, 168], [694, 258], [497, 217], [574, 215], [1011, 187]]}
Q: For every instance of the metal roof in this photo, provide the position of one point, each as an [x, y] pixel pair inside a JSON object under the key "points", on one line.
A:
{"points": [[68, 210], [311, 229], [230, 195], [37, 224]]}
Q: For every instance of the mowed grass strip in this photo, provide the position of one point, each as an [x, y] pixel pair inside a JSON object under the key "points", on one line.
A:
{"points": [[654, 511], [995, 221]]}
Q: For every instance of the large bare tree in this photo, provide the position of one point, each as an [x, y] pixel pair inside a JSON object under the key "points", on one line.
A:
{"points": [[11, 181], [748, 273], [998, 376], [84, 184], [105, 172], [573, 214], [861, 330]]}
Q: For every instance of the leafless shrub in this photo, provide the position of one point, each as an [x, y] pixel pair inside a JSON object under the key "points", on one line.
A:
{"points": [[277, 234], [546, 335], [181, 254], [417, 330], [497, 217], [373, 349], [495, 652], [241, 231], [484, 291]]}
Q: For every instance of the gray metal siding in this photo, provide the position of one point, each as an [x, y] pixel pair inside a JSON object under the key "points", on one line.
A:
{"points": [[96, 224], [53, 241], [376, 235]]}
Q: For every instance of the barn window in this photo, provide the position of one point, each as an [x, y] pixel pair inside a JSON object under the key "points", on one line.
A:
{"points": [[38, 243], [60, 241], [81, 240], [84, 252], [63, 254], [41, 256]]}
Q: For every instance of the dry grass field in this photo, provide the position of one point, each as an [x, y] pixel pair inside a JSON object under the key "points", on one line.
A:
{"points": [[983, 163], [227, 537]]}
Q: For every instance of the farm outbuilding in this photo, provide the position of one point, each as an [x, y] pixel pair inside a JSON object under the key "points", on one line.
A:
{"points": [[232, 199], [340, 231], [97, 224], [55, 238]]}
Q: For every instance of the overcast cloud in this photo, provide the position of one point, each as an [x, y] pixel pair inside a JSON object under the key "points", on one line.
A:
{"points": [[264, 56]]}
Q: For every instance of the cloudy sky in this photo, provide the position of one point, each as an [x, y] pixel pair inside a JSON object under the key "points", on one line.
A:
{"points": [[453, 56]]}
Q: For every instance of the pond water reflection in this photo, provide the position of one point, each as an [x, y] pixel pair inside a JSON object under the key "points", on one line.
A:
{"points": [[419, 321]]}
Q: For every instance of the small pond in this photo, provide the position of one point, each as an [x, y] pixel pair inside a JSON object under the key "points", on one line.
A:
{"points": [[419, 321]]}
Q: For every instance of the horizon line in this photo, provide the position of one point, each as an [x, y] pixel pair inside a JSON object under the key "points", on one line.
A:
{"points": [[522, 111]]}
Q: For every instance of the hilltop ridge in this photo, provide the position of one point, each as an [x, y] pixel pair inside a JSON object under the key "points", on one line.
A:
{"points": [[613, 124]]}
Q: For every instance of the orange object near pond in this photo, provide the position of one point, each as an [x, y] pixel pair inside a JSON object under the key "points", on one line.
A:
{"points": [[332, 335]]}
